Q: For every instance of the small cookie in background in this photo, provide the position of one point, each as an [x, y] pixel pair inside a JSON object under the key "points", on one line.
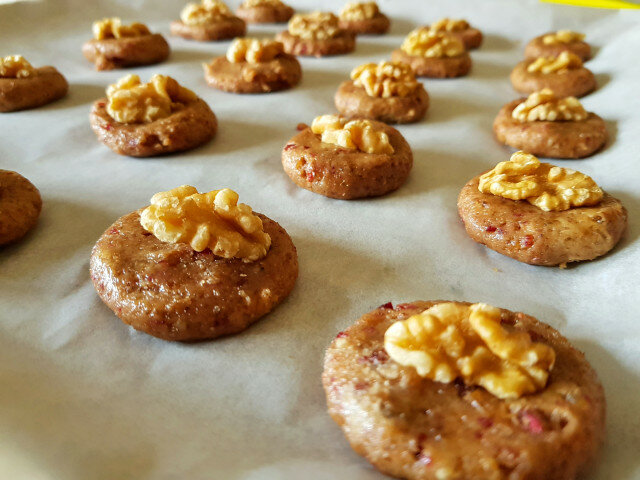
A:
{"points": [[540, 214], [471, 37], [264, 11], [550, 126], [553, 44], [364, 18], [20, 206], [253, 66], [115, 45], [347, 159], [565, 75], [453, 390], [147, 119], [388, 92], [22, 86], [193, 266], [316, 34], [433, 54], [208, 21]]}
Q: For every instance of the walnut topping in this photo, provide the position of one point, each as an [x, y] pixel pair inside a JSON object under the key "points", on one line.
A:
{"points": [[562, 36], [355, 134], [386, 79], [261, 3], [206, 12], [427, 43], [545, 106], [211, 220], [547, 187], [359, 11], [562, 63], [449, 25], [314, 26], [253, 50], [15, 66], [133, 102], [449, 341], [113, 28]]}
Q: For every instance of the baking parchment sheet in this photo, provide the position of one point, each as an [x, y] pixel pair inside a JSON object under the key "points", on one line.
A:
{"points": [[83, 397]]}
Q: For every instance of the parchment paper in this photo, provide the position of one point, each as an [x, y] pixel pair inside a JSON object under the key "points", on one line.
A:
{"points": [[83, 397]]}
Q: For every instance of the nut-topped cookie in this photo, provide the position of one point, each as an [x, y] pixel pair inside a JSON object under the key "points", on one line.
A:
{"points": [[193, 266], [118, 45], [364, 18], [553, 44], [433, 54], [471, 37], [253, 66], [264, 11], [146, 119], [550, 126], [23, 86], [210, 20], [541, 214], [20, 206], [453, 390], [565, 75], [347, 159], [387, 91], [316, 34]]}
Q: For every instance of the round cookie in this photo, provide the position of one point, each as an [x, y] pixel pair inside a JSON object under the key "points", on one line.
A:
{"points": [[338, 172], [434, 67], [189, 127], [46, 85], [575, 82], [550, 139], [172, 292], [470, 37], [281, 73], [353, 101], [343, 42], [223, 29], [537, 48], [528, 234], [112, 53], [278, 13], [20, 205], [377, 25], [411, 427]]}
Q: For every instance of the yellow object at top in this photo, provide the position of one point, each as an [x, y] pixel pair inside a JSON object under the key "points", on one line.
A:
{"points": [[385, 79], [355, 134], [450, 341], [356, 11], [428, 43], [204, 13], [15, 66], [549, 188], [113, 28], [211, 220]]}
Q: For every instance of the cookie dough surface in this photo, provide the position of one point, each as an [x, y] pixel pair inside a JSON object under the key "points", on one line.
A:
{"points": [[571, 83], [434, 67], [172, 292], [338, 172], [265, 13], [523, 231], [551, 139], [20, 205], [377, 25], [537, 48], [414, 428], [46, 86], [125, 52], [344, 42], [221, 30]]}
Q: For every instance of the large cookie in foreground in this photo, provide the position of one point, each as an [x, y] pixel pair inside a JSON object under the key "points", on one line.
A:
{"points": [[414, 428]]}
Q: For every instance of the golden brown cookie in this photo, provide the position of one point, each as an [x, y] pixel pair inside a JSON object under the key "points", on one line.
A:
{"points": [[224, 29], [264, 11], [346, 173], [20, 205], [364, 18], [446, 67], [411, 427], [575, 82], [317, 34], [538, 48], [471, 37], [172, 292]]}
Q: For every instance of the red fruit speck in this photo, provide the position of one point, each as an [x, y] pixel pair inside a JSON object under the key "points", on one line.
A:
{"points": [[289, 146], [113, 231], [388, 305], [376, 358], [490, 229], [532, 422], [342, 335], [485, 422], [526, 241], [102, 104], [310, 176], [107, 127], [361, 386]]}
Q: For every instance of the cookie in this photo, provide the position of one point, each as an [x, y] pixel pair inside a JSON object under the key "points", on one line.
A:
{"points": [[387, 92], [552, 139], [23, 87], [471, 37], [364, 19], [264, 11], [336, 171], [553, 44], [525, 232], [316, 35], [188, 121], [248, 69], [209, 21], [411, 427], [20, 205], [575, 81], [173, 292], [119, 46]]}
